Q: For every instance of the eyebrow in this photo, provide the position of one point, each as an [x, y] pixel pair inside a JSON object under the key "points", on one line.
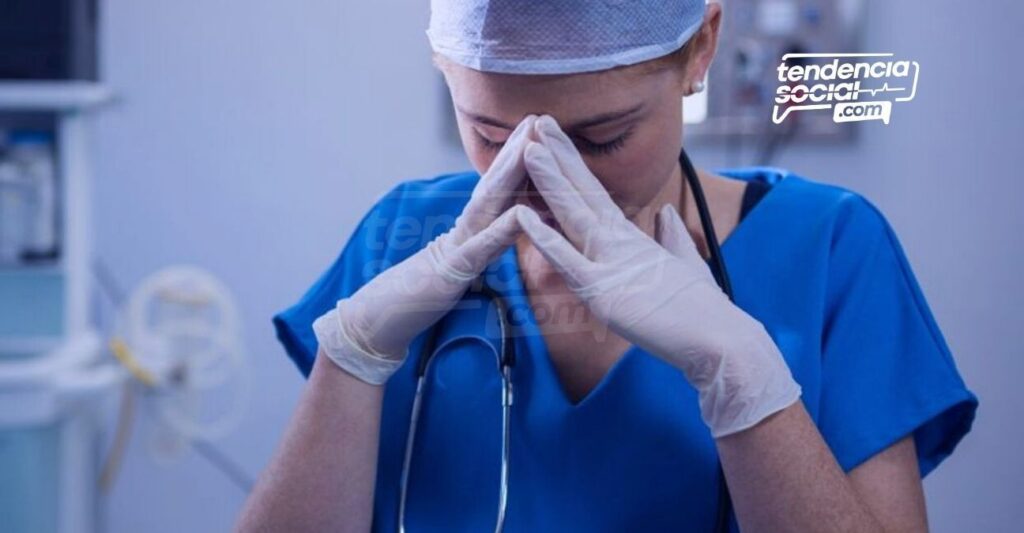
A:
{"points": [[578, 125]]}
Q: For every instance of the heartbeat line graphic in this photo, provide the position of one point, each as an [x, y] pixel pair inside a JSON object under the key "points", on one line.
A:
{"points": [[874, 92], [884, 89]]}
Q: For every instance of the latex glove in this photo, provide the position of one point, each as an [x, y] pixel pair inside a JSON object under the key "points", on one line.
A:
{"points": [[368, 334], [659, 295]]}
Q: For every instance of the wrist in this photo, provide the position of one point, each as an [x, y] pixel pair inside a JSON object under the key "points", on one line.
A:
{"points": [[750, 382], [341, 346]]}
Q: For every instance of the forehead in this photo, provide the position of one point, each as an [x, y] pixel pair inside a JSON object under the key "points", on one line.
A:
{"points": [[565, 96]]}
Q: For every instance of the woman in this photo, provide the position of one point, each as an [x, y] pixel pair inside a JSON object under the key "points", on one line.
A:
{"points": [[824, 389]]}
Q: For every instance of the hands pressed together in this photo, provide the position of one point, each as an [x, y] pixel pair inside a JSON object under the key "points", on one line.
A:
{"points": [[655, 292]]}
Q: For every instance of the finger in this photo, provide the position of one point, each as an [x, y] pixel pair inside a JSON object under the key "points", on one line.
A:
{"points": [[556, 249], [572, 164], [674, 237], [479, 250], [572, 212], [493, 192], [672, 233]]}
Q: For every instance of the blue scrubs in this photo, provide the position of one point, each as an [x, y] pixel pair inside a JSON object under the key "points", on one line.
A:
{"points": [[818, 265]]}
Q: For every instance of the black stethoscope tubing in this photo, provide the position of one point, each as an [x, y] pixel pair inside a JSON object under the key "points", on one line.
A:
{"points": [[722, 277]]}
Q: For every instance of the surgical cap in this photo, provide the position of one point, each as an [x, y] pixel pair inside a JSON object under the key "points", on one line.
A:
{"points": [[559, 36]]}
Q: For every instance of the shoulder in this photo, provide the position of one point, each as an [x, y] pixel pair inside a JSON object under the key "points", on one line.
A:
{"points": [[401, 222], [444, 193], [815, 208], [844, 241], [413, 212]]}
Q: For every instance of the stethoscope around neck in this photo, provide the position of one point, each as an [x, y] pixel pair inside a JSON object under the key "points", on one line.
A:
{"points": [[506, 359]]}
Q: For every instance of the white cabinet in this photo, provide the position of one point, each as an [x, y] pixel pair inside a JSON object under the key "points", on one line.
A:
{"points": [[50, 382]]}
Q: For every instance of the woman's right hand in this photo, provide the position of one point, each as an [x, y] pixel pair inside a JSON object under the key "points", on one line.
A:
{"points": [[368, 334]]}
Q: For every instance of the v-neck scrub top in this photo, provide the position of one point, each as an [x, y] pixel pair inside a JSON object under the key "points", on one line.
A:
{"points": [[817, 264]]}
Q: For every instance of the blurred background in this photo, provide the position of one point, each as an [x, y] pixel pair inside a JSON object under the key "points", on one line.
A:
{"points": [[247, 138]]}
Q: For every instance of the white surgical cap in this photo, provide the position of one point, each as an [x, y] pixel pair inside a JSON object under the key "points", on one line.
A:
{"points": [[559, 36]]}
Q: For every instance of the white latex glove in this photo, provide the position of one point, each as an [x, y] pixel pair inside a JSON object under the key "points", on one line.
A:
{"points": [[368, 334], [660, 296]]}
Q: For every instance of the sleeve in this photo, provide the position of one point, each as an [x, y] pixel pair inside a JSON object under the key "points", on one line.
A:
{"points": [[886, 369], [367, 253]]}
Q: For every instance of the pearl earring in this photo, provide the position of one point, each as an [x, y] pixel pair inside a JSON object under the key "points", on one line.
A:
{"points": [[696, 87]]}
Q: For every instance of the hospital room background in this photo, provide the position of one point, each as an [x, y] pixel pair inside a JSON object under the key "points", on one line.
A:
{"points": [[228, 148]]}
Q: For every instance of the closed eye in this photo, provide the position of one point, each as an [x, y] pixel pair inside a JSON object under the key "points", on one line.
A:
{"points": [[582, 143]]}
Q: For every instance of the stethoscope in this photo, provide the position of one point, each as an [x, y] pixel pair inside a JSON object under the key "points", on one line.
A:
{"points": [[507, 359]]}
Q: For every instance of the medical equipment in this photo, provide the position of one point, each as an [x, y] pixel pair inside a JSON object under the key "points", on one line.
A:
{"points": [[515, 36], [50, 434], [53, 383], [28, 199], [14, 213], [506, 363], [180, 337], [742, 81]]}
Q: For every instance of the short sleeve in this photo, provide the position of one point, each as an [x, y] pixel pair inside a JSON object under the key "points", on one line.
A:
{"points": [[367, 252], [886, 369]]}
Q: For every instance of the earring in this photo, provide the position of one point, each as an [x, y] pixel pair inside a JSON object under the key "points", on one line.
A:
{"points": [[697, 86]]}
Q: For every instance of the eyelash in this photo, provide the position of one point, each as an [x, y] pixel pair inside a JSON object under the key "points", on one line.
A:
{"points": [[583, 144]]}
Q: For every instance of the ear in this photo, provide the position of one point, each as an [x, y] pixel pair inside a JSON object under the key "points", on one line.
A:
{"points": [[705, 43]]}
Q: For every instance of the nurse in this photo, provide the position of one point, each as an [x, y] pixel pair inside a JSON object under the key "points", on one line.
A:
{"points": [[824, 388]]}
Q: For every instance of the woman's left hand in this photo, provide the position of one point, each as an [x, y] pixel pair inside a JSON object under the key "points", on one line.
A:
{"points": [[659, 294]]}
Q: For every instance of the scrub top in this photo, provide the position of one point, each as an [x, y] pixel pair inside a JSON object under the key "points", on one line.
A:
{"points": [[817, 264]]}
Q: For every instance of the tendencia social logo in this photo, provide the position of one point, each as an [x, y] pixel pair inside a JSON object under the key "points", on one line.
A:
{"points": [[856, 87]]}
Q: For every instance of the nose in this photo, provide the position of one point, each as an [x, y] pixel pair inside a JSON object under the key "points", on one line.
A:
{"points": [[533, 133]]}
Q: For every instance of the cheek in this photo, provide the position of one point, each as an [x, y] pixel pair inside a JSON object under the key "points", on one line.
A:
{"points": [[637, 173], [479, 156]]}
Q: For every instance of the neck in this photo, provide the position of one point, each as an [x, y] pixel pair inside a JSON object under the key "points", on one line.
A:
{"points": [[673, 193]]}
